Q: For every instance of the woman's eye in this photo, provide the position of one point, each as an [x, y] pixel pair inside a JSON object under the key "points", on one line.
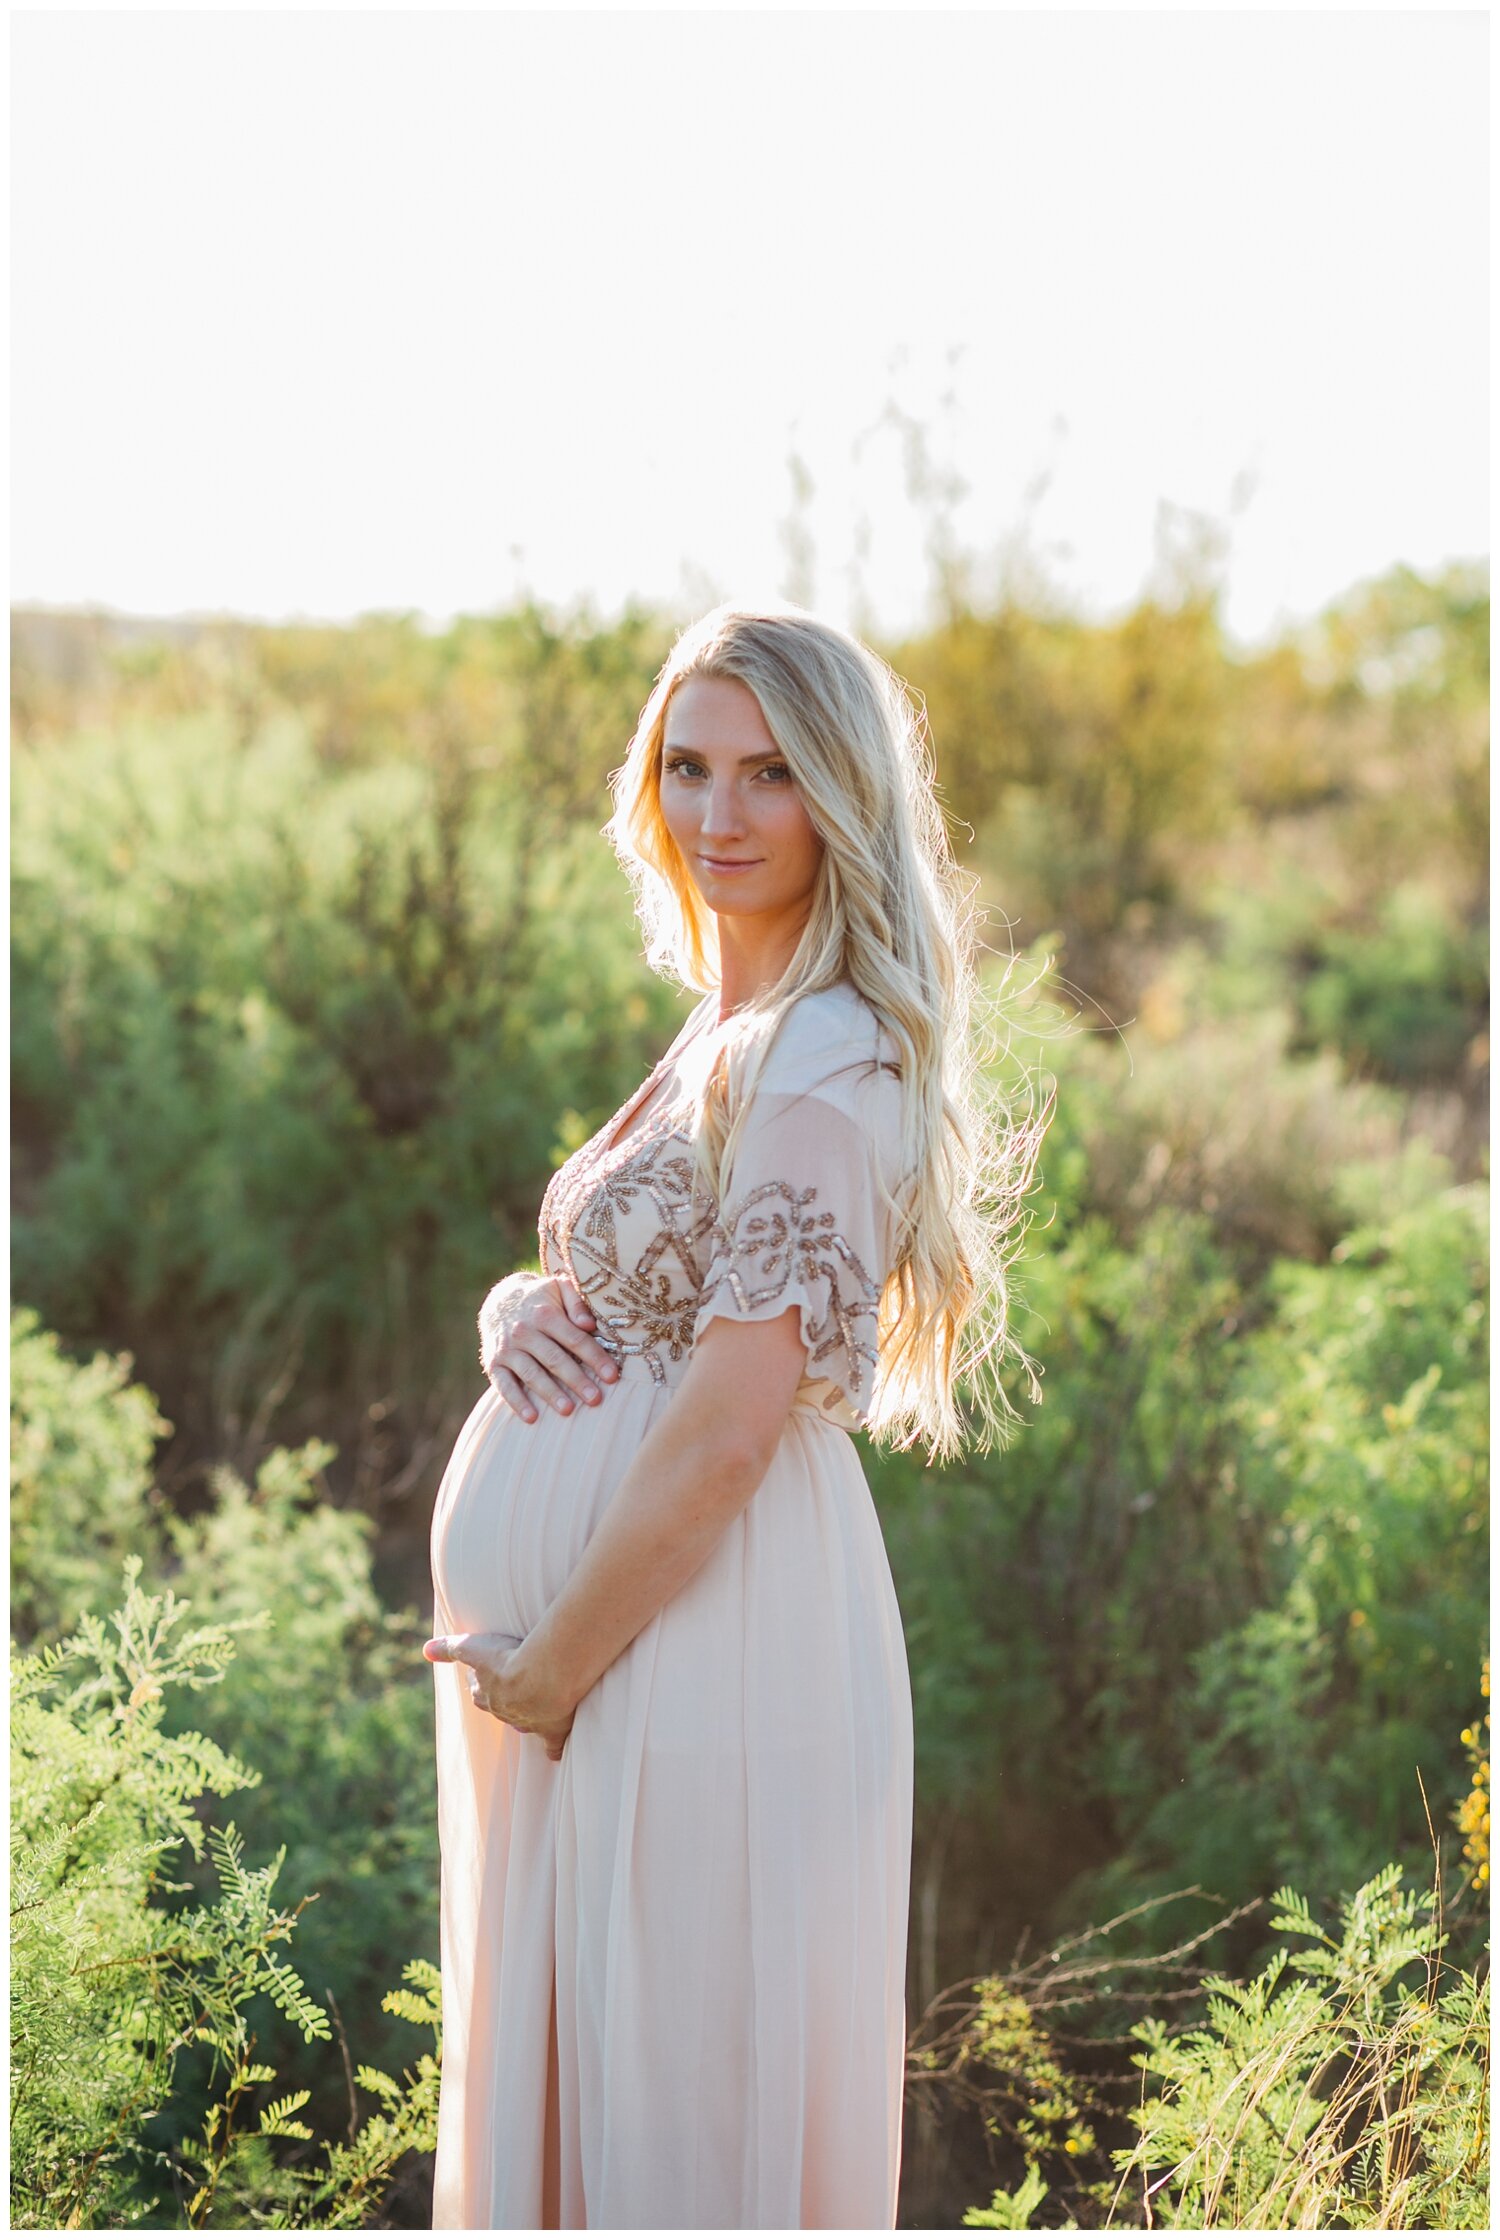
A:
{"points": [[683, 764]]}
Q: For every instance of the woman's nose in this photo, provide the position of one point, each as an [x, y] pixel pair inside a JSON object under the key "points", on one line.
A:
{"points": [[723, 814]]}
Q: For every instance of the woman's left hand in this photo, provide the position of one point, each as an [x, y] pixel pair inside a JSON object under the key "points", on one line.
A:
{"points": [[505, 1680]]}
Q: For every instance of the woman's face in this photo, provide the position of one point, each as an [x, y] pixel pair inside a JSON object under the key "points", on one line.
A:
{"points": [[731, 803]]}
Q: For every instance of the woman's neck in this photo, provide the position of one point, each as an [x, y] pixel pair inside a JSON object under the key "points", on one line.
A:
{"points": [[749, 966]]}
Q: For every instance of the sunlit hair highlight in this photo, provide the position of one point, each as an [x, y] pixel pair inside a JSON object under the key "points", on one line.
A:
{"points": [[893, 913]]}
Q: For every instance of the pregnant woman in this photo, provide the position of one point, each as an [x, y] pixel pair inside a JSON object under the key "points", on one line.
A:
{"points": [[674, 1734]]}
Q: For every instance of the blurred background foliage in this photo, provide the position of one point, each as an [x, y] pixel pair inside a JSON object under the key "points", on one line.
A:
{"points": [[320, 966]]}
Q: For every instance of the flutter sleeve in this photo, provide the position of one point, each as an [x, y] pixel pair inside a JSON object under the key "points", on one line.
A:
{"points": [[804, 1219]]}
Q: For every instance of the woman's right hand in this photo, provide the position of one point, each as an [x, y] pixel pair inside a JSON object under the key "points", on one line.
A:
{"points": [[536, 1347]]}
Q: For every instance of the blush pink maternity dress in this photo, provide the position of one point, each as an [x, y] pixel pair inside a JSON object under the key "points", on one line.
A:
{"points": [[712, 1882]]}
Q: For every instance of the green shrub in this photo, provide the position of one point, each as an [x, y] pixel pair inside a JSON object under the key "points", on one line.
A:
{"points": [[1358, 1472], [298, 1076], [109, 1989], [1213, 1615], [1329, 2092], [1404, 998], [128, 2009], [81, 1443], [329, 1692], [328, 1687]]}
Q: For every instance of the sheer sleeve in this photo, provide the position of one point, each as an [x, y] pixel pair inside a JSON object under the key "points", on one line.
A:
{"points": [[804, 1220]]}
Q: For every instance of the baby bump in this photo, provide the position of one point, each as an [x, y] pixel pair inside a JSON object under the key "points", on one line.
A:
{"points": [[519, 1501]]}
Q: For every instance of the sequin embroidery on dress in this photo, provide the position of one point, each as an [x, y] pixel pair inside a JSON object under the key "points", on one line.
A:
{"points": [[780, 1238], [624, 1227], [653, 1257]]}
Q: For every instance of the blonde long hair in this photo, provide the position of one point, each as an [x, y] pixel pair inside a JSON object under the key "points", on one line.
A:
{"points": [[892, 913]]}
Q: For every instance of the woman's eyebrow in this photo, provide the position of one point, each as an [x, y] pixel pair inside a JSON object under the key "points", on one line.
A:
{"points": [[767, 754]]}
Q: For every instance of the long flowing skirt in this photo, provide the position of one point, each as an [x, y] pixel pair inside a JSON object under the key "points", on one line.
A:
{"points": [[673, 1962]]}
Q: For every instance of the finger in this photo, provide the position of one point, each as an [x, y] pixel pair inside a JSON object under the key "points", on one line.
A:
{"points": [[482, 1650], [603, 1365], [549, 1353], [541, 1388], [551, 1367], [447, 1648], [511, 1389], [531, 1354], [595, 1360]]}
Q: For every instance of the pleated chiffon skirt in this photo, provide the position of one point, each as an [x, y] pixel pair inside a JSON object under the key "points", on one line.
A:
{"points": [[713, 1880]]}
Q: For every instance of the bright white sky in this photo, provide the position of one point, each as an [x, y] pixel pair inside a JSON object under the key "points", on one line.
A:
{"points": [[321, 312]]}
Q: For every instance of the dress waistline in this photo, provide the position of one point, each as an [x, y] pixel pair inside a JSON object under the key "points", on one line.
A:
{"points": [[810, 1401]]}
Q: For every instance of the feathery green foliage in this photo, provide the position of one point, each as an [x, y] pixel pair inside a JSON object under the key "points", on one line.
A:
{"points": [[128, 2009], [109, 1988], [1327, 2091]]}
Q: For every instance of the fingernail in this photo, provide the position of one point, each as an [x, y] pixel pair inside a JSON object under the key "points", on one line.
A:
{"points": [[529, 1414], [590, 1394], [562, 1406], [609, 1370]]}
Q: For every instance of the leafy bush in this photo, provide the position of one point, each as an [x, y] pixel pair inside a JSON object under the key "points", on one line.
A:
{"points": [[1083, 755], [1330, 2090], [1214, 1612], [330, 1692], [127, 2009], [81, 1443], [300, 1079], [1359, 1477], [1327, 2092], [328, 1687], [1473, 1815], [1404, 998], [108, 1990], [1279, 1153]]}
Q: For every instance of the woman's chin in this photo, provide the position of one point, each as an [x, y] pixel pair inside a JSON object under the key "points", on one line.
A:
{"points": [[733, 905]]}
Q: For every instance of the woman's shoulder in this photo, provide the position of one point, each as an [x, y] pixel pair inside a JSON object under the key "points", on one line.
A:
{"points": [[840, 1009], [826, 1035]]}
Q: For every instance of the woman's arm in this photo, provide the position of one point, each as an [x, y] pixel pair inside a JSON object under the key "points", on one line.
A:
{"points": [[693, 1474]]}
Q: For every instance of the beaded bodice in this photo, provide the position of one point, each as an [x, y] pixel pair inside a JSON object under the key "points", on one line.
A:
{"points": [[635, 1232]]}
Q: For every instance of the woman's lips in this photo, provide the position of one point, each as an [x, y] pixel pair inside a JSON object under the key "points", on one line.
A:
{"points": [[730, 863]]}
